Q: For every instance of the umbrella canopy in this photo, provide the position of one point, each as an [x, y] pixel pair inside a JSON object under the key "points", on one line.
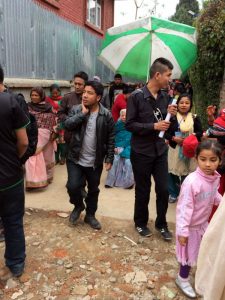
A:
{"points": [[131, 49]]}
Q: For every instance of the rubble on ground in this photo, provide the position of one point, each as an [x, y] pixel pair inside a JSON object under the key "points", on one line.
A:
{"points": [[67, 262]]}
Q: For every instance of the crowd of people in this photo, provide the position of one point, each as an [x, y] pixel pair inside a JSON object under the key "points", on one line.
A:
{"points": [[118, 129]]}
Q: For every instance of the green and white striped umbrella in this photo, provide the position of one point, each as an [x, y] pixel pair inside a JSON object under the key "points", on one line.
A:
{"points": [[131, 49]]}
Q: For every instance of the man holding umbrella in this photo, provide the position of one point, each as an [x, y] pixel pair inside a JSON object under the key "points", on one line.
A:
{"points": [[146, 111]]}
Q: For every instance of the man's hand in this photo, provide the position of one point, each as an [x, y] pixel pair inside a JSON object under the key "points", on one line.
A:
{"points": [[172, 109], [85, 110], [162, 125], [182, 240], [108, 166], [22, 141]]}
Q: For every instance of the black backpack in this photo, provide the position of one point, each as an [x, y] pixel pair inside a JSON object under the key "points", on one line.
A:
{"points": [[32, 129]]}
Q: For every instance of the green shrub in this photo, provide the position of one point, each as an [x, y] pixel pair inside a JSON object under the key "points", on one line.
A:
{"points": [[206, 75]]}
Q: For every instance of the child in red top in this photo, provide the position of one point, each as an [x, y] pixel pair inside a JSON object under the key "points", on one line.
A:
{"points": [[120, 102]]}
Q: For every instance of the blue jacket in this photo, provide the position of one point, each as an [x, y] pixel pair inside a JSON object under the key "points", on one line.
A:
{"points": [[122, 139]]}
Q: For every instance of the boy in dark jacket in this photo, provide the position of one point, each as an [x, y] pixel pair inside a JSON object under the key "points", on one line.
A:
{"points": [[92, 142]]}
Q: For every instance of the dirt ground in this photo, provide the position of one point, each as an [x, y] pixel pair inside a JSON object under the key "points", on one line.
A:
{"points": [[76, 262], [67, 262], [116, 202]]}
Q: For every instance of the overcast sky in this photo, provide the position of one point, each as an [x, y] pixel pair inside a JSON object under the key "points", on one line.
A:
{"points": [[125, 9]]}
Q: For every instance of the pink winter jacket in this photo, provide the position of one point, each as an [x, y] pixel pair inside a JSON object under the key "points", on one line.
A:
{"points": [[199, 192]]}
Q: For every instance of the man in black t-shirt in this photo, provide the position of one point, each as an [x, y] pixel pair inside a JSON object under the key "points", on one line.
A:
{"points": [[13, 145]]}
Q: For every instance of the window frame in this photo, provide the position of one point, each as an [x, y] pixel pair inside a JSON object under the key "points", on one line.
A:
{"points": [[98, 8]]}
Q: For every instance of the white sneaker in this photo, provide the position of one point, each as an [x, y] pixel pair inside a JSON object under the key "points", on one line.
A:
{"points": [[172, 199], [186, 288]]}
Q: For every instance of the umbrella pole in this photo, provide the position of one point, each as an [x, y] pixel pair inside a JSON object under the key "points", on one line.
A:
{"points": [[150, 55]]}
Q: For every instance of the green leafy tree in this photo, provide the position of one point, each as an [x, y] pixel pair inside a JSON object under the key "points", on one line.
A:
{"points": [[182, 15], [207, 74]]}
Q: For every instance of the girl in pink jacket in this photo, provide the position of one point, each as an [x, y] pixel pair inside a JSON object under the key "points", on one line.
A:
{"points": [[199, 192]]}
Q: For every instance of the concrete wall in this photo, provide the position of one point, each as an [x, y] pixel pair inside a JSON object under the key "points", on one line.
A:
{"points": [[24, 86], [39, 44]]}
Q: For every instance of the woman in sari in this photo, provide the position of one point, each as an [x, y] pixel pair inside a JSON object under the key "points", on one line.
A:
{"points": [[40, 166]]}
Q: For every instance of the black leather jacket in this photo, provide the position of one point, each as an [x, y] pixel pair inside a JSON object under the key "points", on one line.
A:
{"points": [[76, 123]]}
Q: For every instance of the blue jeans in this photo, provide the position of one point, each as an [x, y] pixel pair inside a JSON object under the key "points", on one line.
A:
{"points": [[77, 178], [12, 212]]}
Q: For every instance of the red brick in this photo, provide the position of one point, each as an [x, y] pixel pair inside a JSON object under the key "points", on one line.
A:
{"points": [[74, 11]]}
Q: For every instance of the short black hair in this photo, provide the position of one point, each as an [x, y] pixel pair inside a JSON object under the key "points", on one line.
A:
{"points": [[119, 76], [55, 86], [160, 65], [180, 88], [81, 75], [216, 148], [1, 74], [97, 86], [128, 89], [185, 95]]}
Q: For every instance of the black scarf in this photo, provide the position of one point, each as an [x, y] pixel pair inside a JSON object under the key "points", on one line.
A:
{"points": [[42, 107]]}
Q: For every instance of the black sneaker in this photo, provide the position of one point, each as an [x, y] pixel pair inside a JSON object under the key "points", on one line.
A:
{"points": [[108, 186], [75, 214], [165, 233], [92, 221], [144, 231]]}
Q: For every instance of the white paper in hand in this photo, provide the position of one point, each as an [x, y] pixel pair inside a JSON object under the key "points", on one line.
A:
{"points": [[168, 116]]}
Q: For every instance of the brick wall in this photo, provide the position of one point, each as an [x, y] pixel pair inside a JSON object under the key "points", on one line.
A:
{"points": [[108, 16], [75, 12]]}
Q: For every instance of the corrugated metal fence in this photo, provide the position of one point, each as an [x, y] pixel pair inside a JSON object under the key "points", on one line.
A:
{"points": [[35, 43]]}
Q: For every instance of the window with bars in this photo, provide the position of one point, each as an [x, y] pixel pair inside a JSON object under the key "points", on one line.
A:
{"points": [[94, 12]]}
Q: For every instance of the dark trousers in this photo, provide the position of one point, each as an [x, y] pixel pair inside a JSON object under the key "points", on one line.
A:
{"points": [[77, 178], [1, 225], [174, 184], [144, 167], [61, 152], [12, 212]]}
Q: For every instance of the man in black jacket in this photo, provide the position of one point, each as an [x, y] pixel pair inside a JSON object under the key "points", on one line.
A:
{"points": [[71, 99], [146, 111], [92, 129]]}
